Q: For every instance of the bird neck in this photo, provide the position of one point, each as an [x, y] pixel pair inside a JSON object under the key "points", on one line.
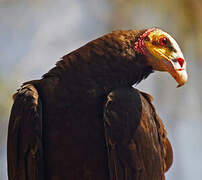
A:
{"points": [[102, 76], [106, 63]]}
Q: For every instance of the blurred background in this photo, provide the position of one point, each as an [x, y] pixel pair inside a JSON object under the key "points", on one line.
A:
{"points": [[36, 33]]}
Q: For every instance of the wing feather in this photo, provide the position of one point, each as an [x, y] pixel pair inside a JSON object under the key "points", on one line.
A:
{"points": [[137, 143], [25, 151], [122, 113]]}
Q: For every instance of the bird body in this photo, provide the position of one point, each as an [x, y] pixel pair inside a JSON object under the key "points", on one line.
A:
{"points": [[83, 119]]}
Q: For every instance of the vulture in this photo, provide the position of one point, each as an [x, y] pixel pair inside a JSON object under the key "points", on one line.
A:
{"points": [[83, 120]]}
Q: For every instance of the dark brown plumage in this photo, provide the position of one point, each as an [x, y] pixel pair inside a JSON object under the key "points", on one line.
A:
{"points": [[84, 121]]}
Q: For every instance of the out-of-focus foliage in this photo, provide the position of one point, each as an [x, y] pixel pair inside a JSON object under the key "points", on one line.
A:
{"points": [[186, 16], [5, 102]]}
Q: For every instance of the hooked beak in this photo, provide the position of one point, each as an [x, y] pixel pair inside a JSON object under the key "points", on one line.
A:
{"points": [[177, 68], [175, 65]]}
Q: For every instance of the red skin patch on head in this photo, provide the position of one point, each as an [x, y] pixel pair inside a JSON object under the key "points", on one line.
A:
{"points": [[180, 61], [139, 45]]}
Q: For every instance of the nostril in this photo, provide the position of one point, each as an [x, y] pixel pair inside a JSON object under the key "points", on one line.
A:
{"points": [[180, 61]]}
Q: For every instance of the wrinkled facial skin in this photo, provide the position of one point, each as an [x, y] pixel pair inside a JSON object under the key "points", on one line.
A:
{"points": [[164, 54]]}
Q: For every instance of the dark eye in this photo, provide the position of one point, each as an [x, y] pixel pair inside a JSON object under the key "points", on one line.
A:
{"points": [[163, 41]]}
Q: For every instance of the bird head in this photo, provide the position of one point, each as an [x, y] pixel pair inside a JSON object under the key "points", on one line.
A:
{"points": [[163, 53]]}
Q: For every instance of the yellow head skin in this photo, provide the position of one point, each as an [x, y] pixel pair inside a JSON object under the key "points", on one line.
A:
{"points": [[164, 54]]}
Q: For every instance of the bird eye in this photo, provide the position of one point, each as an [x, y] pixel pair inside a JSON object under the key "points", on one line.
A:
{"points": [[163, 41]]}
